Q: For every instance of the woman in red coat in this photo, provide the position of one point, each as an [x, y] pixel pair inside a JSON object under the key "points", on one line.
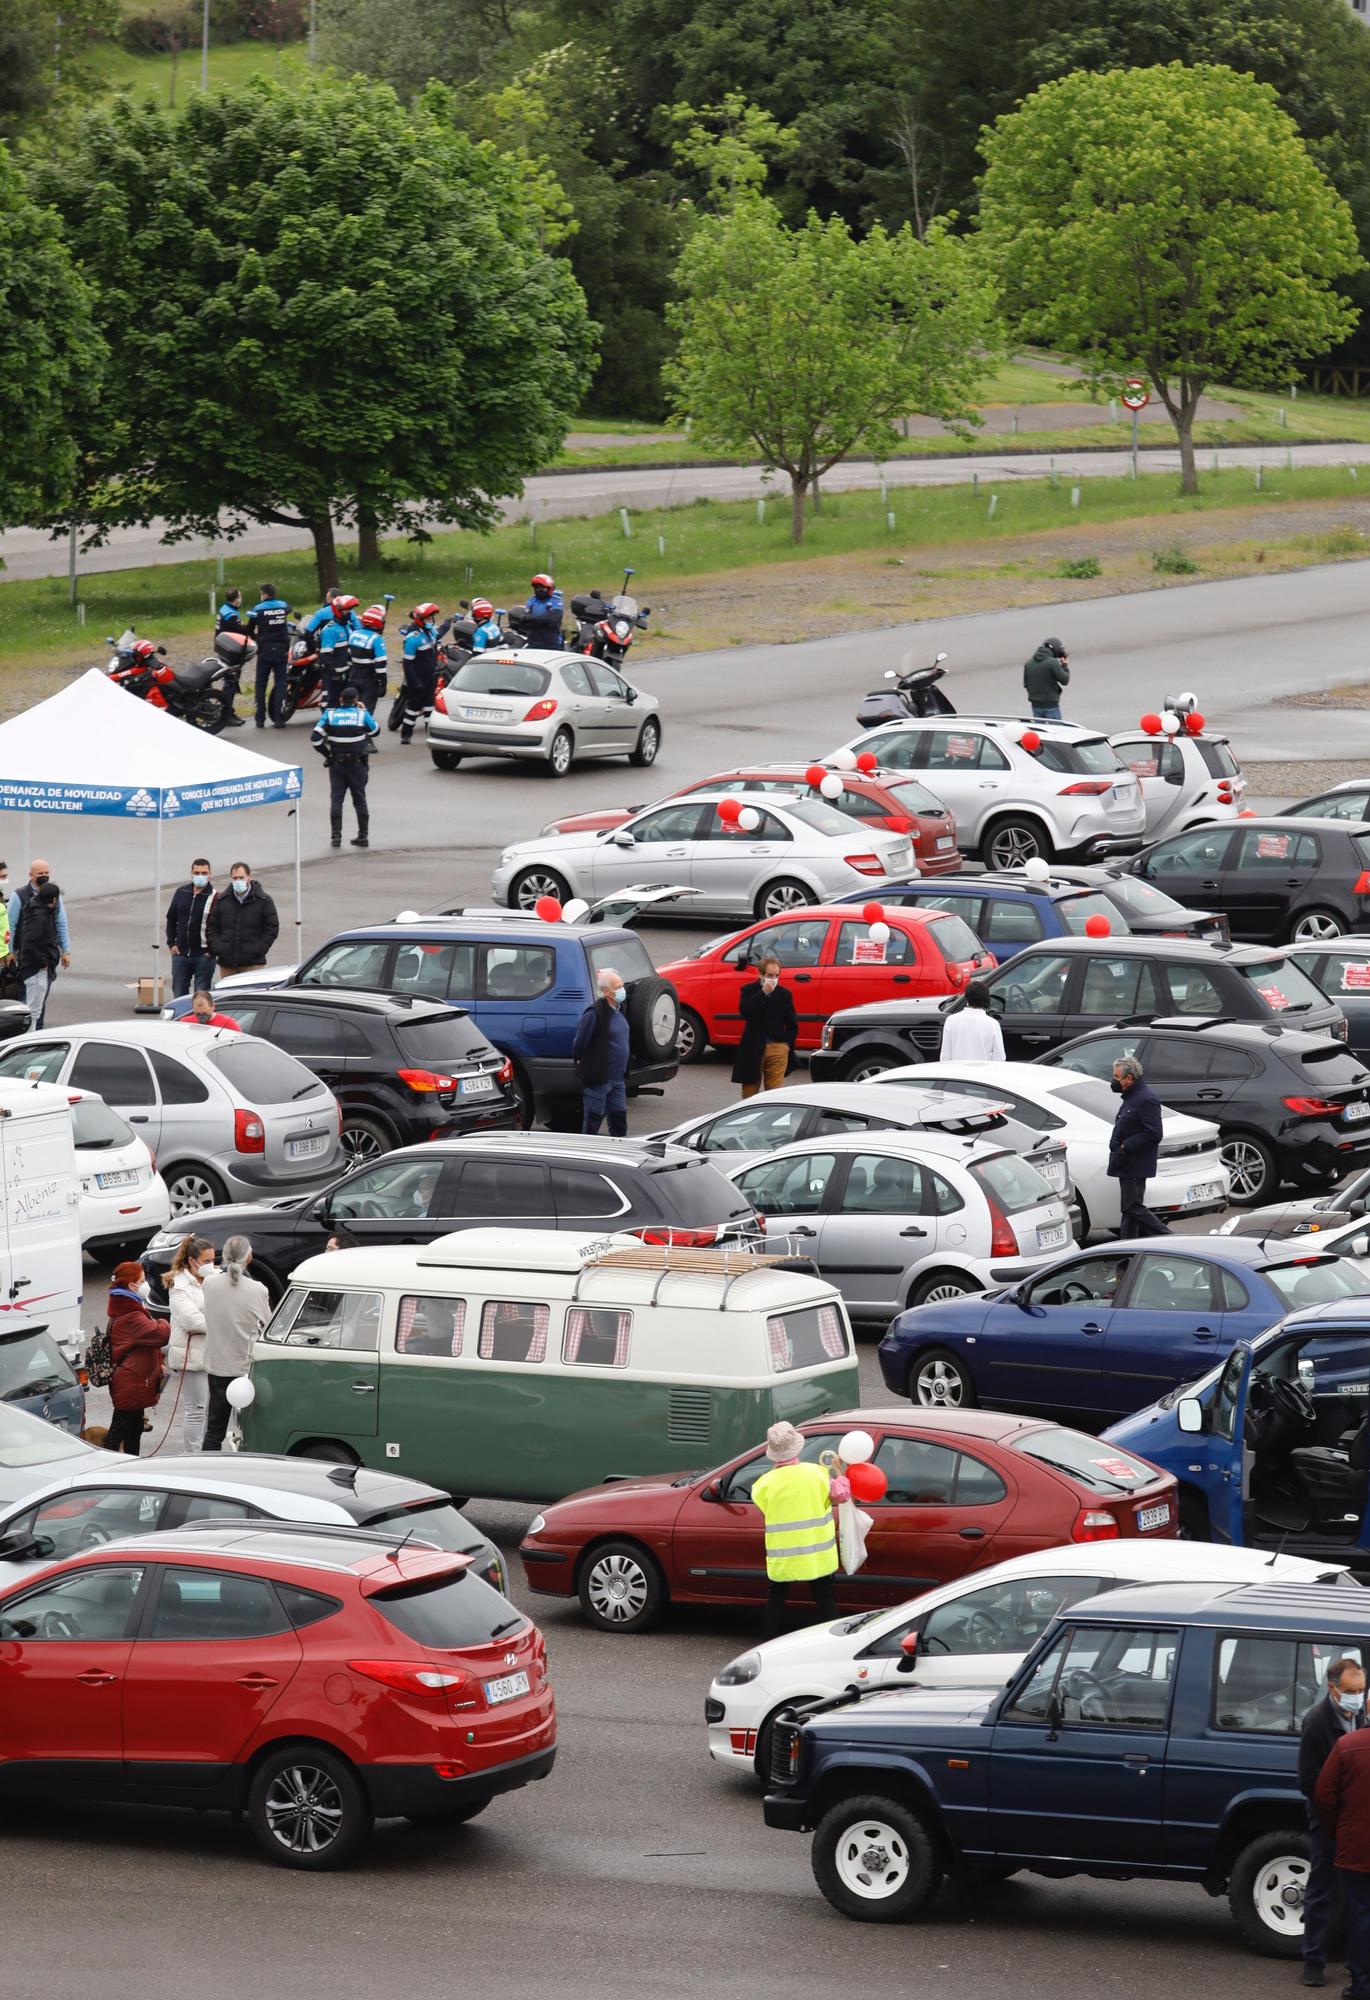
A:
{"points": [[137, 1341]]}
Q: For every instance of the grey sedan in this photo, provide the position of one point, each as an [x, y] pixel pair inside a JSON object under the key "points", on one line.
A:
{"points": [[550, 708]]}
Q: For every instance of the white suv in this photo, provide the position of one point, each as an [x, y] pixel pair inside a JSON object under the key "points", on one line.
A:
{"points": [[1070, 798]]}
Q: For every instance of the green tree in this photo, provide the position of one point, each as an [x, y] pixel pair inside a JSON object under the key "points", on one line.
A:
{"points": [[318, 307], [1168, 220], [42, 43], [50, 355], [807, 345], [412, 43]]}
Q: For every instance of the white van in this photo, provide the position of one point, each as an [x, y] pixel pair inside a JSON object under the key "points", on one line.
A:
{"points": [[40, 1253], [523, 1363]]}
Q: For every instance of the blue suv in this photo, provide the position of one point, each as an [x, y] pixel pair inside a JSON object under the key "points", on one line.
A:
{"points": [[1153, 1732], [1006, 912]]}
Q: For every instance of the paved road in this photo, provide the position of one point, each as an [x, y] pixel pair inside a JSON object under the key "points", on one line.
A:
{"points": [[27, 552]]}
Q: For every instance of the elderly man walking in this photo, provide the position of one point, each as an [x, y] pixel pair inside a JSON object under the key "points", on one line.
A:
{"points": [[1341, 1799], [796, 1501], [600, 1052], [1341, 1710], [1134, 1147]]}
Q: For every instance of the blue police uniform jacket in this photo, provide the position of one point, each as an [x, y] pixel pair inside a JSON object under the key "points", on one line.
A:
{"points": [[491, 633], [267, 624], [316, 620], [367, 648], [337, 633], [418, 641], [228, 619], [347, 731]]}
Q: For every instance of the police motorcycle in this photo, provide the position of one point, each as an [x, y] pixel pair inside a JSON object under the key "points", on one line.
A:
{"points": [[200, 694]]}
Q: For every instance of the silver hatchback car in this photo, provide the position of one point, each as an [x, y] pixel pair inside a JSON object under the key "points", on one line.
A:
{"points": [[228, 1117], [552, 708]]}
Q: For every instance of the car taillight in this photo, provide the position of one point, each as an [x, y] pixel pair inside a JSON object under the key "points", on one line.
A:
{"points": [[1002, 1241], [540, 711], [425, 1079], [1362, 887], [865, 864], [958, 974], [1087, 788], [440, 701], [1225, 795], [1092, 1524], [1311, 1107], [691, 1239], [411, 1677], [505, 1072], [249, 1133]]}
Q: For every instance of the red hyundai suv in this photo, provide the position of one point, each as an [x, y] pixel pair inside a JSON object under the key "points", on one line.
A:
{"points": [[316, 1678]]}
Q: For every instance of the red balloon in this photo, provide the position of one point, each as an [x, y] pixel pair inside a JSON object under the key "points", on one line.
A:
{"points": [[1097, 926], [867, 1481], [814, 776], [873, 913], [867, 761], [898, 823], [728, 809], [1194, 723], [1030, 740], [1151, 724], [1247, 812], [548, 908]]}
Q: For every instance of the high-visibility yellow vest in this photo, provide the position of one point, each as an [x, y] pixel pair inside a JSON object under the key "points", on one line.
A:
{"points": [[801, 1539]]}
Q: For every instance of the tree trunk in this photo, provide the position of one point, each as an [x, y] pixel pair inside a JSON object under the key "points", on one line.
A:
{"points": [[1184, 431], [815, 496], [368, 539], [799, 487], [325, 551]]}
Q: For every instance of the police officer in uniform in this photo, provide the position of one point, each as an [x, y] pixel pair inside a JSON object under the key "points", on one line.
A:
{"points": [[366, 649], [420, 667], [268, 623], [343, 737], [335, 657]]}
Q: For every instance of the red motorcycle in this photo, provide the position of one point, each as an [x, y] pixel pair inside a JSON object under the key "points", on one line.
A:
{"points": [[303, 675], [200, 694]]}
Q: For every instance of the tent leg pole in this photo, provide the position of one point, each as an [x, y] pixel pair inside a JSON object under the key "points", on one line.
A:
{"points": [[299, 898], [153, 1006]]}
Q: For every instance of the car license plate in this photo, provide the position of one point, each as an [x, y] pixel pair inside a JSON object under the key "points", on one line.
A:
{"points": [[511, 1686], [483, 714], [1153, 1517], [127, 1178], [306, 1149], [1053, 1172], [1052, 1238], [1205, 1191], [475, 1086], [944, 842], [1355, 1110]]}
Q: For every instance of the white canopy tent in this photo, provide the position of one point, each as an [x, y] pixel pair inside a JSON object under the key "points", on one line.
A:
{"points": [[94, 750]]}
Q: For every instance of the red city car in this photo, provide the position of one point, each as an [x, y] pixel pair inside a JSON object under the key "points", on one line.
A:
{"points": [[889, 799], [830, 961], [314, 1678], [966, 1488]]}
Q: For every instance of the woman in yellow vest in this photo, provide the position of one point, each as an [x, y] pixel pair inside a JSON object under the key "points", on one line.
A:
{"points": [[796, 1500]]}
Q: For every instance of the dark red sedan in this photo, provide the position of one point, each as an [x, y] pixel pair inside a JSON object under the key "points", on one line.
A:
{"points": [[889, 799], [966, 1488]]}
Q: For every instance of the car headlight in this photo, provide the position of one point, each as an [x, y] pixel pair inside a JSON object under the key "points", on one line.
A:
{"points": [[163, 1240], [827, 1035], [537, 1524], [738, 1672]]}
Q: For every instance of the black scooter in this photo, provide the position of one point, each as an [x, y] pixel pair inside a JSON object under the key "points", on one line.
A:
{"points": [[915, 693]]}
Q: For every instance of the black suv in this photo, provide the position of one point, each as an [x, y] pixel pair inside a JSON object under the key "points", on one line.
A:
{"points": [[403, 1069], [1272, 878], [1063, 987], [1290, 1106], [544, 1181]]}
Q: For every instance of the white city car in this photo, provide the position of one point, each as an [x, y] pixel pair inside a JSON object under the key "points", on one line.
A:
{"points": [[971, 1633], [124, 1199], [1079, 1110]]}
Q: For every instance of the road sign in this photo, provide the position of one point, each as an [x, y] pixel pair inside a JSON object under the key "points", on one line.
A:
{"points": [[1136, 396]]}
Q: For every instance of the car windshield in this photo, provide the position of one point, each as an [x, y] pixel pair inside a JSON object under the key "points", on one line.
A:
{"points": [[26, 1440], [31, 1364], [1093, 1096], [822, 818], [1284, 989], [263, 1074], [436, 1043], [1102, 1467], [1076, 911], [483, 675], [1312, 1281], [1095, 756], [95, 1127]]}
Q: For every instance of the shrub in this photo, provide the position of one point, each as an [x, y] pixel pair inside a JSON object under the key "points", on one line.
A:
{"points": [[1079, 567], [1174, 562]]}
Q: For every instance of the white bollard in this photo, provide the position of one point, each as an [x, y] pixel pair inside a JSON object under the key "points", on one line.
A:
{"points": [[623, 517], [1074, 496], [993, 504]]}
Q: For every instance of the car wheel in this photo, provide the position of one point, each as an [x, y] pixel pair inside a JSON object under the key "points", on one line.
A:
{"points": [[1085, 1224], [1251, 1169], [363, 1139], [1314, 926], [1266, 1889], [191, 1188], [526, 888], [939, 1286], [691, 1037], [446, 760], [328, 1449], [778, 898], [648, 744], [874, 1861], [1194, 1521], [306, 1807], [560, 751], [938, 1381], [862, 1068], [1009, 842], [620, 1588], [653, 1013], [450, 1815]]}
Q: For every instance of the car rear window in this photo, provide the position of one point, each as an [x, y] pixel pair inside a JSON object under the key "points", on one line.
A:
{"points": [[94, 1125], [1011, 1183], [698, 1193], [915, 798], [1094, 755], [435, 1521], [822, 818], [263, 1074], [31, 1364], [1092, 1095], [1282, 986], [1333, 1067], [1217, 758], [1103, 1468], [955, 939], [441, 1040], [627, 956], [485, 676], [1144, 899], [806, 1339], [1076, 911], [448, 1614], [1312, 1282]]}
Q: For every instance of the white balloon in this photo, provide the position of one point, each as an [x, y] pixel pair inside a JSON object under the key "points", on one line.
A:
{"points": [[879, 933], [749, 819], [1036, 870], [831, 786], [855, 1447], [240, 1392], [572, 912], [845, 760], [1170, 722], [407, 917]]}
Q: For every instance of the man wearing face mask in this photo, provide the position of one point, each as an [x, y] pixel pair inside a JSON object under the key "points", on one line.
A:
{"points": [[191, 963], [770, 1028], [1133, 1149], [1340, 1712], [39, 872], [242, 925], [600, 1052]]}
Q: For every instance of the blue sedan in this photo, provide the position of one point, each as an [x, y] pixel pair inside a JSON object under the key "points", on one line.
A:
{"points": [[1101, 1332]]}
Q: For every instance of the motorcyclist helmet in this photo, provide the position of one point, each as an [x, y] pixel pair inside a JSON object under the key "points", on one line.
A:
{"points": [[543, 586], [342, 605], [424, 614], [481, 609], [374, 618], [144, 651]]}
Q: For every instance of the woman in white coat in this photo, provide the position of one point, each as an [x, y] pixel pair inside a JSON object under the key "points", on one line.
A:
{"points": [[187, 1381]]}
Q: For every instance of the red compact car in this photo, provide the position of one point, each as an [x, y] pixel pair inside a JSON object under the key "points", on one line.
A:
{"points": [[889, 799], [966, 1488], [830, 961], [314, 1678]]}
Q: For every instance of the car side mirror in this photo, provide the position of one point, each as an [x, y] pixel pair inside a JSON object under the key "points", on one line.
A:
{"points": [[1356, 1207], [620, 837], [14, 1548], [710, 1493], [1189, 1415], [908, 1646], [630, 695]]}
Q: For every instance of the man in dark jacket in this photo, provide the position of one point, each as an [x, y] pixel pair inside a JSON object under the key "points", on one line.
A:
{"points": [[40, 949], [191, 964], [268, 623], [1340, 1711], [600, 1052], [1133, 1150], [243, 925], [1341, 1798], [770, 1028], [1044, 677]]}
